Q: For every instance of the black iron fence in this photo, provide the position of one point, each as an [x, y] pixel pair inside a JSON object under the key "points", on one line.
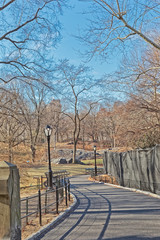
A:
{"points": [[91, 171], [42, 181], [45, 201]]}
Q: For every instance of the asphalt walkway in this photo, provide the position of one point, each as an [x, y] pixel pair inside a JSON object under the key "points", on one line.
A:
{"points": [[106, 212]]}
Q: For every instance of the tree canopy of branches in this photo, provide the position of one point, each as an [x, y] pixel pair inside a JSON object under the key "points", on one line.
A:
{"points": [[75, 85], [22, 115], [28, 32], [117, 21], [31, 104], [11, 124]]}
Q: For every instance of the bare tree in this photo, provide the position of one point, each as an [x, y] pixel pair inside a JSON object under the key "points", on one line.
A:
{"points": [[114, 22], [146, 93], [53, 116], [28, 31], [11, 124], [92, 127], [31, 103], [65, 128], [75, 85]]}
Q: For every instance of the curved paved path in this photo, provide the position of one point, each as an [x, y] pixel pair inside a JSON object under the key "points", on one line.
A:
{"points": [[105, 212]]}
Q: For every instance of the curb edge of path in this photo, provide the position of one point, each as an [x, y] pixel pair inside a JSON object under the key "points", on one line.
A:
{"points": [[56, 220], [131, 189]]}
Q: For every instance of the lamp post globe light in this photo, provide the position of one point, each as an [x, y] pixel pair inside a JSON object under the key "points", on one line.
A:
{"points": [[48, 131], [95, 160]]}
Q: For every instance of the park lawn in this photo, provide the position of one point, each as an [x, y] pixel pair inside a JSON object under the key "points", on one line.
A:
{"points": [[73, 169], [92, 161], [28, 175]]}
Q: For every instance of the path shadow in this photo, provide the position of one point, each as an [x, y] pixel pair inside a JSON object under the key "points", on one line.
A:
{"points": [[108, 217], [66, 216], [135, 237], [128, 211], [82, 216]]}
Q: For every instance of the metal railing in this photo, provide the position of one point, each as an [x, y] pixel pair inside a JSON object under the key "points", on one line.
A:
{"points": [[42, 181], [57, 176], [39, 185], [44, 202], [91, 171]]}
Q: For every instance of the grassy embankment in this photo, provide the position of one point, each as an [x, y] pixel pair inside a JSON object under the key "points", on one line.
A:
{"points": [[28, 170]]}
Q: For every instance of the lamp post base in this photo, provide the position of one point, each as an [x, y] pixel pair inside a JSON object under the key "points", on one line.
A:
{"points": [[95, 171]]}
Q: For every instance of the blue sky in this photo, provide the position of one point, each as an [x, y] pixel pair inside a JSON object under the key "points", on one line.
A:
{"points": [[72, 20]]}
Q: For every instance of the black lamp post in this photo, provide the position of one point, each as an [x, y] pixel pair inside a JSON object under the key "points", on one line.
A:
{"points": [[95, 160], [48, 131]]}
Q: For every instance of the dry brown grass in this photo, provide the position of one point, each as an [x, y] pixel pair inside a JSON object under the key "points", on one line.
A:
{"points": [[88, 145], [34, 225], [21, 154], [104, 178]]}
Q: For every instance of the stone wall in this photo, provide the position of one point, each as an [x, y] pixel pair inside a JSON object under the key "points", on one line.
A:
{"points": [[10, 218], [139, 168]]}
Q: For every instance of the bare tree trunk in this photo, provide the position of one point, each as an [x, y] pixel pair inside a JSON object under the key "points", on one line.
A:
{"points": [[74, 151], [57, 135], [114, 142], [55, 140], [10, 152], [83, 143], [33, 151], [76, 136], [83, 137]]}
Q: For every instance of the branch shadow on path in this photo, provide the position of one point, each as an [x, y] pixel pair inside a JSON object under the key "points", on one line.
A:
{"points": [[108, 217], [86, 211], [135, 237], [66, 216], [82, 216]]}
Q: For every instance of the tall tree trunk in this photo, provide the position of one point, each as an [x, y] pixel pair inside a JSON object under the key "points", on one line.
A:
{"points": [[55, 140], [57, 134], [75, 138], [33, 152], [83, 137], [114, 142], [74, 151], [10, 152]]}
